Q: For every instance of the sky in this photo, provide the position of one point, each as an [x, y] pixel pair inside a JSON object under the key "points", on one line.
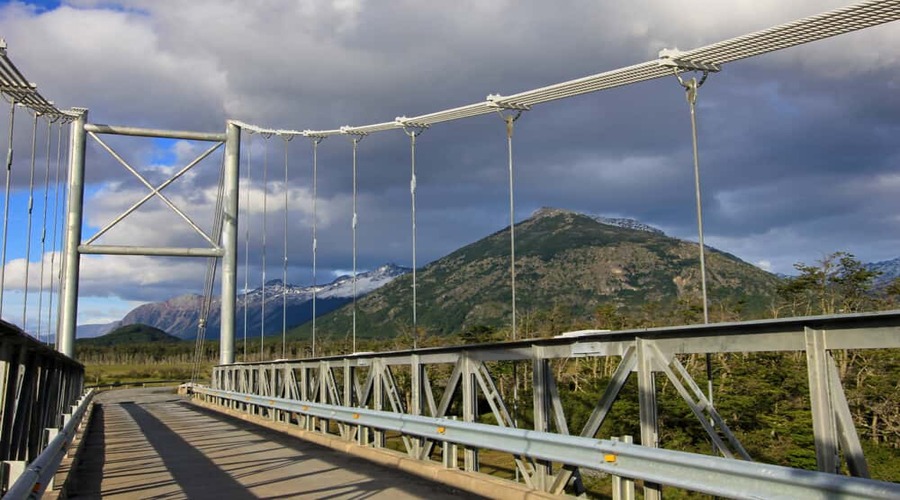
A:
{"points": [[798, 149]]}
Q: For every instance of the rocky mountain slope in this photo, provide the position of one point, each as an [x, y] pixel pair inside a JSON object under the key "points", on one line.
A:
{"points": [[563, 258], [889, 269], [179, 316]]}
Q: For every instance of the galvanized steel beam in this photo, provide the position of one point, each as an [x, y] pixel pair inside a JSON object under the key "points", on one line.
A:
{"points": [[705, 474]]}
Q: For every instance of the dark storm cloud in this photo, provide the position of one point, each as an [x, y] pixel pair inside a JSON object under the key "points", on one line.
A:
{"points": [[797, 148]]}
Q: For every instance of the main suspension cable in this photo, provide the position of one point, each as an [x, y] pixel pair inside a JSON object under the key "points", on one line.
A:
{"points": [[413, 132], [29, 223], [44, 229]]}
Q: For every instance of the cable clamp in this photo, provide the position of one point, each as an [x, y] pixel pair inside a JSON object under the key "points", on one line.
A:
{"points": [[672, 58], [348, 130], [407, 123], [412, 129], [287, 135], [315, 136], [30, 88], [498, 101]]}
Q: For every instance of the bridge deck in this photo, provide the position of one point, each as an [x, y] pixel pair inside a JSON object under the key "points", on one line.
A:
{"points": [[150, 443]]}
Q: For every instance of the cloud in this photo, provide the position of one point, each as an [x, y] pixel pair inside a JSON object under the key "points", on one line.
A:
{"points": [[798, 148]]}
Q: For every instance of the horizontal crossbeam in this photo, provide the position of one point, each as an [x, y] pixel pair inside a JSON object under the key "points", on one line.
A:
{"points": [[155, 133], [150, 251]]}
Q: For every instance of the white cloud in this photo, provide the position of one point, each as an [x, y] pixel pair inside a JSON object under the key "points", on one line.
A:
{"points": [[771, 129]]}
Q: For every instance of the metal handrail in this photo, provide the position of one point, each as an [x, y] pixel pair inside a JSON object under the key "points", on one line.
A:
{"points": [[690, 471], [33, 482]]}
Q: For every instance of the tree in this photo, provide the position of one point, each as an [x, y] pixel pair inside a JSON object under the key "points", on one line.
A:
{"points": [[838, 283], [892, 291], [607, 316]]}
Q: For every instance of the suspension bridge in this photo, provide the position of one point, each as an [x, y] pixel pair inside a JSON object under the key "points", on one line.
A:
{"points": [[385, 423]]}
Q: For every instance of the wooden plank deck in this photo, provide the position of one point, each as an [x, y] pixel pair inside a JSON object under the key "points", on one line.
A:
{"points": [[150, 443]]}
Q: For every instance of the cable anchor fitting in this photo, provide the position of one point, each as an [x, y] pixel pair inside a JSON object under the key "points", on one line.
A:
{"points": [[674, 58], [514, 111], [357, 135], [316, 137], [411, 128]]}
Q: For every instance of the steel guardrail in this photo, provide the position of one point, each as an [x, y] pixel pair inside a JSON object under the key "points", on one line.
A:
{"points": [[38, 474], [690, 471]]}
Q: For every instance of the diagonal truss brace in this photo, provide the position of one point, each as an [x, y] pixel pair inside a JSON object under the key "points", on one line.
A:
{"points": [[155, 191], [627, 365], [709, 418]]}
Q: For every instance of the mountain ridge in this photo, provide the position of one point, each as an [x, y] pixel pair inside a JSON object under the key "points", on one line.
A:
{"points": [[129, 334], [179, 315], [563, 259]]}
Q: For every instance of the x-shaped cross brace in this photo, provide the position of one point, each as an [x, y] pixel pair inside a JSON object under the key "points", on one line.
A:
{"points": [[155, 191]]}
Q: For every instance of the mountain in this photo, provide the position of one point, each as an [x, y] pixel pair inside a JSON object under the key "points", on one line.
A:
{"points": [[179, 315], [95, 329], [618, 222], [564, 259], [130, 334], [889, 269]]}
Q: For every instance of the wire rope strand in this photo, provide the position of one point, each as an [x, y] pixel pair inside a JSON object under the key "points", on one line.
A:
{"points": [[355, 222], [284, 267], [29, 223], [691, 88], [809, 29], [315, 242], [412, 194], [44, 229], [265, 230], [413, 133], [510, 121], [692, 99], [9, 161], [247, 188], [55, 228], [210, 280], [63, 207], [63, 257]]}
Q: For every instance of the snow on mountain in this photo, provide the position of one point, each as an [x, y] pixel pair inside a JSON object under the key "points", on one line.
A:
{"points": [[340, 288], [889, 269], [609, 221], [292, 304], [365, 282], [626, 223]]}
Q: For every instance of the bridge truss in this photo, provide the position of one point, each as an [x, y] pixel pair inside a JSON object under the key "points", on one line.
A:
{"points": [[363, 397], [414, 394]]}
